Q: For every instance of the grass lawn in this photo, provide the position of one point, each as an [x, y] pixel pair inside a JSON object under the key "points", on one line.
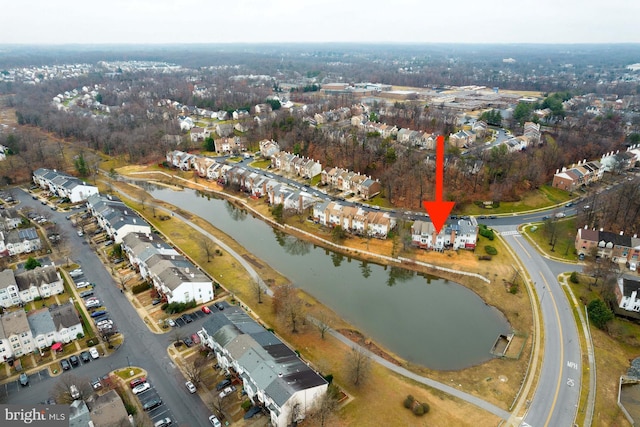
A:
{"points": [[260, 164], [545, 196], [565, 243], [613, 351]]}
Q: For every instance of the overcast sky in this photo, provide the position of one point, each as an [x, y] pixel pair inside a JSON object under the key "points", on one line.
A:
{"points": [[268, 21]]}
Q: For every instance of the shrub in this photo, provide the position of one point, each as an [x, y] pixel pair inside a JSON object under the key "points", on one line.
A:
{"points": [[246, 405], [179, 307], [140, 288], [329, 378], [491, 250], [574, 277], [513, 288], [408, 402], [418, 410], [426, 407], [486, 232]]}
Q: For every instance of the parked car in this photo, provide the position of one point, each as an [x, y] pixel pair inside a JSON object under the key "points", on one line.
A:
{"points": [[190, 386], [96, 384], [252, 411], [188, 342], [195, 338], [24, 379], [75, 273], [118, 260], [85, 357], [93, 304], [109, 243], [222, 384], [94, 353], [171, 323], [156, 301], [80, 233], [153, 403], [74, 360], [75, 393], [187, 318], [215, 422], [163, 422], [227, 391], [140, 388], [219, 306], [86, 294], [98, 313], [137, 382], [206, 310], [65, 365]]}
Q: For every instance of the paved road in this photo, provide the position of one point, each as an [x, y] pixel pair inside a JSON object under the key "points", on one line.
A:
{"points": [[558, 389], [141, 347]]}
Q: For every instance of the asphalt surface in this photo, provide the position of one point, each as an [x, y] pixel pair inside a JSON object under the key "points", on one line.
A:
{"points": [[558, 389], [140, 348]]}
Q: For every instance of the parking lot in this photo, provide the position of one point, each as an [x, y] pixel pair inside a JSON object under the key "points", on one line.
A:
{"points": [[159, 412], [15, 387]]}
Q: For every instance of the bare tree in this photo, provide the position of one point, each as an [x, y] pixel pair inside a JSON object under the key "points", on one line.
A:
{"points": [[62, 390], [257, 289], [194, 369], [218, 407], [176, 336], [323, 323], [288, 306], [358, 365], [144, 198], [324, 411], [207, 246]]}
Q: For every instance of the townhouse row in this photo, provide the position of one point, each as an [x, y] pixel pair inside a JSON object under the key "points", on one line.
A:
{"points": [[23, 333], [174, 277], [17, 288], [272, 374], [63, 185], [617, 247]]}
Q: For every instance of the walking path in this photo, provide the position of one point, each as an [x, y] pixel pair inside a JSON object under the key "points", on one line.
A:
{"points": [[489, 407]]}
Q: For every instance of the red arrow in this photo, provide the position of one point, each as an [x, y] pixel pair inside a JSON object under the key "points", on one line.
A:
{"points": [[439, 210]]}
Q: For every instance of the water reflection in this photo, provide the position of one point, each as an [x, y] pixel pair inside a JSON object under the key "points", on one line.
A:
{"points": [[457, 329], [292, 245]]}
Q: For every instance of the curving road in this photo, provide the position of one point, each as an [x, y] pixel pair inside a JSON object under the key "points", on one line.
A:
{"points": [[558, 389]]}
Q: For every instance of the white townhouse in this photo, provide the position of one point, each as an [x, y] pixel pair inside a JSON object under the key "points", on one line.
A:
{"points": [[42, 328], [354, 220], [63, 185], [116, 218], [178, 280], [272, 375], [139, 247], [21, 241], [456, 234], [40, 282], [67, 322], [627, 293], [17, 339]]}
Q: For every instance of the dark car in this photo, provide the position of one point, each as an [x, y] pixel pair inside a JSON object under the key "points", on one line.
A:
{"points": [[187, 318], [98, 313], [222, 384], [74, 360], [153, 403], [118, 260], [65, 365], [24, 379], [252, 411], [546, 217], [188, 342], [86, 358], [219, 306], [156, 301]]}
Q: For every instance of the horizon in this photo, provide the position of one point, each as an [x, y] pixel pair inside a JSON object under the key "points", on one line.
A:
{"points": [[334, 21]]}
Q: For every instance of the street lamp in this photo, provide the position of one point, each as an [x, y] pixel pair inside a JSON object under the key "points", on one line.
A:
{"points": [[128, 363]]}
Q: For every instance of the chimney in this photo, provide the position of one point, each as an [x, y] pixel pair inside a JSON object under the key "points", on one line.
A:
{"points": [[622, 233]]}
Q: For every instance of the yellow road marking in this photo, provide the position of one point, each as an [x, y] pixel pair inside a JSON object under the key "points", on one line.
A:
{"points": [[555, 396]]}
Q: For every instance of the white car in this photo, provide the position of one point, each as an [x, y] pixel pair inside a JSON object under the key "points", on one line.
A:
{"points": [[227, 391], [190, 387], [141, 388], [94, 352], [92, 304], [104, 323], [75, 273], [215, 422]]}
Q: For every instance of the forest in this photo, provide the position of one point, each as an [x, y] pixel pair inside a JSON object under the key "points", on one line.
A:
{"points": [[136, 125]]}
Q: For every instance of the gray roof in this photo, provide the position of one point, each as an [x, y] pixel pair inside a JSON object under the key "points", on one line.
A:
{"points": [[273, 366], [28, 234], [7, 278], [38, 277], [64, 316], [41, 322], [15, 323]]}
